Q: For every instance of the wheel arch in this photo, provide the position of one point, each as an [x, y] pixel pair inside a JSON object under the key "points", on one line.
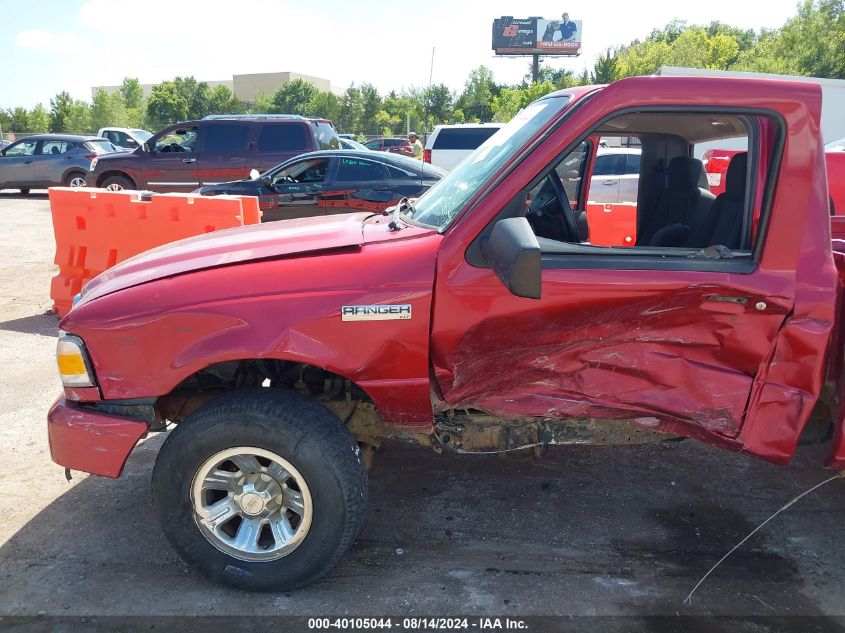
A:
{"points": [[114, 172], [221, 377]]}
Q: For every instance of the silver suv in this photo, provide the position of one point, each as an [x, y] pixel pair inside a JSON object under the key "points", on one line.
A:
{"points": [[49, 160]]}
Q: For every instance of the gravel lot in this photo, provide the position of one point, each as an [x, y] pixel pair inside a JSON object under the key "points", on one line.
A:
{"points": [[583, 531]]}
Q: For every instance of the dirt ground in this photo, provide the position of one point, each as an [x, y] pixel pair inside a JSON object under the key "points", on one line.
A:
{"points": [[624, 531]]}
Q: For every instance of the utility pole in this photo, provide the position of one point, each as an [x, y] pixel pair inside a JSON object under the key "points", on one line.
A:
{"points": [[535, 68]]}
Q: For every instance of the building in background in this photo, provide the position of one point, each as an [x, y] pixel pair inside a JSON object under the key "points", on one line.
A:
{"points": [[245, 87]]}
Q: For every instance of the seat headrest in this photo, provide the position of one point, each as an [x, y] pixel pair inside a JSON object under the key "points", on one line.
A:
{"points": [[736, 178], [685, 172]]}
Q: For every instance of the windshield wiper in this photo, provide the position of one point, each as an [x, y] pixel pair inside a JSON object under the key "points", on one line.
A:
{"points": [[403, 206]]}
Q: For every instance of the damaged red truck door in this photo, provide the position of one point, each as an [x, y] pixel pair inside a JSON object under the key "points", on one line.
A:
{"points": [[683, 344]]}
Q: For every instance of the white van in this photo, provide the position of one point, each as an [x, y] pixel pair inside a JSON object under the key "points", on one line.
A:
{"points": [[448, 145]]}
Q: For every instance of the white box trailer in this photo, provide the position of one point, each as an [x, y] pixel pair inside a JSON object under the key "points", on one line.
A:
{"points": [[833, 94]]}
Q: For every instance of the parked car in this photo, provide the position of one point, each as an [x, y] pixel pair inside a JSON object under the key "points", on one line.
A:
{"points": [[616, 175], [50, 160], [125, 139], [835, 161], [336, 181], [475, 320], [348, 143], [448, 145], [395, 145], [216, 149]]}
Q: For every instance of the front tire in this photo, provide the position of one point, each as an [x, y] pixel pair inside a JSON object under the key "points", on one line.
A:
{"points": [[118, 183], [261, 489]]}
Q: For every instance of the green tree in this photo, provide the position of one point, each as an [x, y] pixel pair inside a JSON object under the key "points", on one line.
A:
{"points": [[108, 110], [221, 100], [39, 120], [812, 43], [262, 104], [605, 70], [132, 93], [351, 111], [439, 103], [166, 105], [78, 120], [60, 110], [477, 97], [18, 121], [326, 105], [371, 105], [294, 97]]}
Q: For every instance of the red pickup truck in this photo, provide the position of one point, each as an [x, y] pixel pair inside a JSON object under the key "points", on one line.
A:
{"points": [[478, 318]]}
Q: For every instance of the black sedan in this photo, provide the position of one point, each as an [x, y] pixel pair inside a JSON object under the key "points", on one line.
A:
{"points": [[333, 181]]}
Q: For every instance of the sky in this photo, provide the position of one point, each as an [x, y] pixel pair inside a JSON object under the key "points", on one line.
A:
{"points": [[54, 45]]}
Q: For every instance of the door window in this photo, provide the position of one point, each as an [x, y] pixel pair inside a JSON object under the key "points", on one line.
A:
{"points": [[226, 138], [358, 170], [306, 171], [178, 140], [22, 148], [632, 165], [54, 147], [679, 223], [609, 165], [283, 137]]}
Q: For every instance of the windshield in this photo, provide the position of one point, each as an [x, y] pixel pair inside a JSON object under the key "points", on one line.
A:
{"points": [[143, 135], [442, 203], [836, 146]]}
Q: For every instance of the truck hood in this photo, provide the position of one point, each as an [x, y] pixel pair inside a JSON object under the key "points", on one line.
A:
{"points": [[231, 246]]}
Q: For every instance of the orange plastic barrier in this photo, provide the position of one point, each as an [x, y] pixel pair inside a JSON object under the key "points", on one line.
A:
{"points": [[612, 224], [95, 229]]}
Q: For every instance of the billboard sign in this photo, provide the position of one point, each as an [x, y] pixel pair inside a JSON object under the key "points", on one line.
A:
{"points": [[536, 36]]}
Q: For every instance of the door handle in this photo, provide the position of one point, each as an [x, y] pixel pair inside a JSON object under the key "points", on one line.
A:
{"points": [[189, 160], [721, 299], [607, 183], [28, 162], [383, 188]]}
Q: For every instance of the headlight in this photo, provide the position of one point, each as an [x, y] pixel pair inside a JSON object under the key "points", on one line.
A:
{"points": [[74, 367], [93, 164]]}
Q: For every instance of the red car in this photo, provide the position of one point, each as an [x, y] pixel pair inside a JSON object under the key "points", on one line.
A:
{"points": [[478, 318], [397, 145], [835, 160]]}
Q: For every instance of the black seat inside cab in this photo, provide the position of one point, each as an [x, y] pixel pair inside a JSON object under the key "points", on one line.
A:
{"points": [[723, 225], [685, 202]]}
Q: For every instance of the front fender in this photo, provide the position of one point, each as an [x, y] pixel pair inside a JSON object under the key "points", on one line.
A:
{"points": [[145, 340]]}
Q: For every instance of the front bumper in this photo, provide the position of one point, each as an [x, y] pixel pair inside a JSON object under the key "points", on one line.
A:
{"points": [[81, 439]]}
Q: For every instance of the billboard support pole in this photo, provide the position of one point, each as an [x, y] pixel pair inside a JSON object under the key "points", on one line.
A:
{"points": [[535, 68]]}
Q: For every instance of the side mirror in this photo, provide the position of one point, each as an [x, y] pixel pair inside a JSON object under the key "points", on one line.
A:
{"points": [[266, 181], [146, 147], [512, 250]]}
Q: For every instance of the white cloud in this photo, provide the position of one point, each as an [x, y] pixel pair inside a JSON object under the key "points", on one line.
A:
{"points": [[38, 40]]}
